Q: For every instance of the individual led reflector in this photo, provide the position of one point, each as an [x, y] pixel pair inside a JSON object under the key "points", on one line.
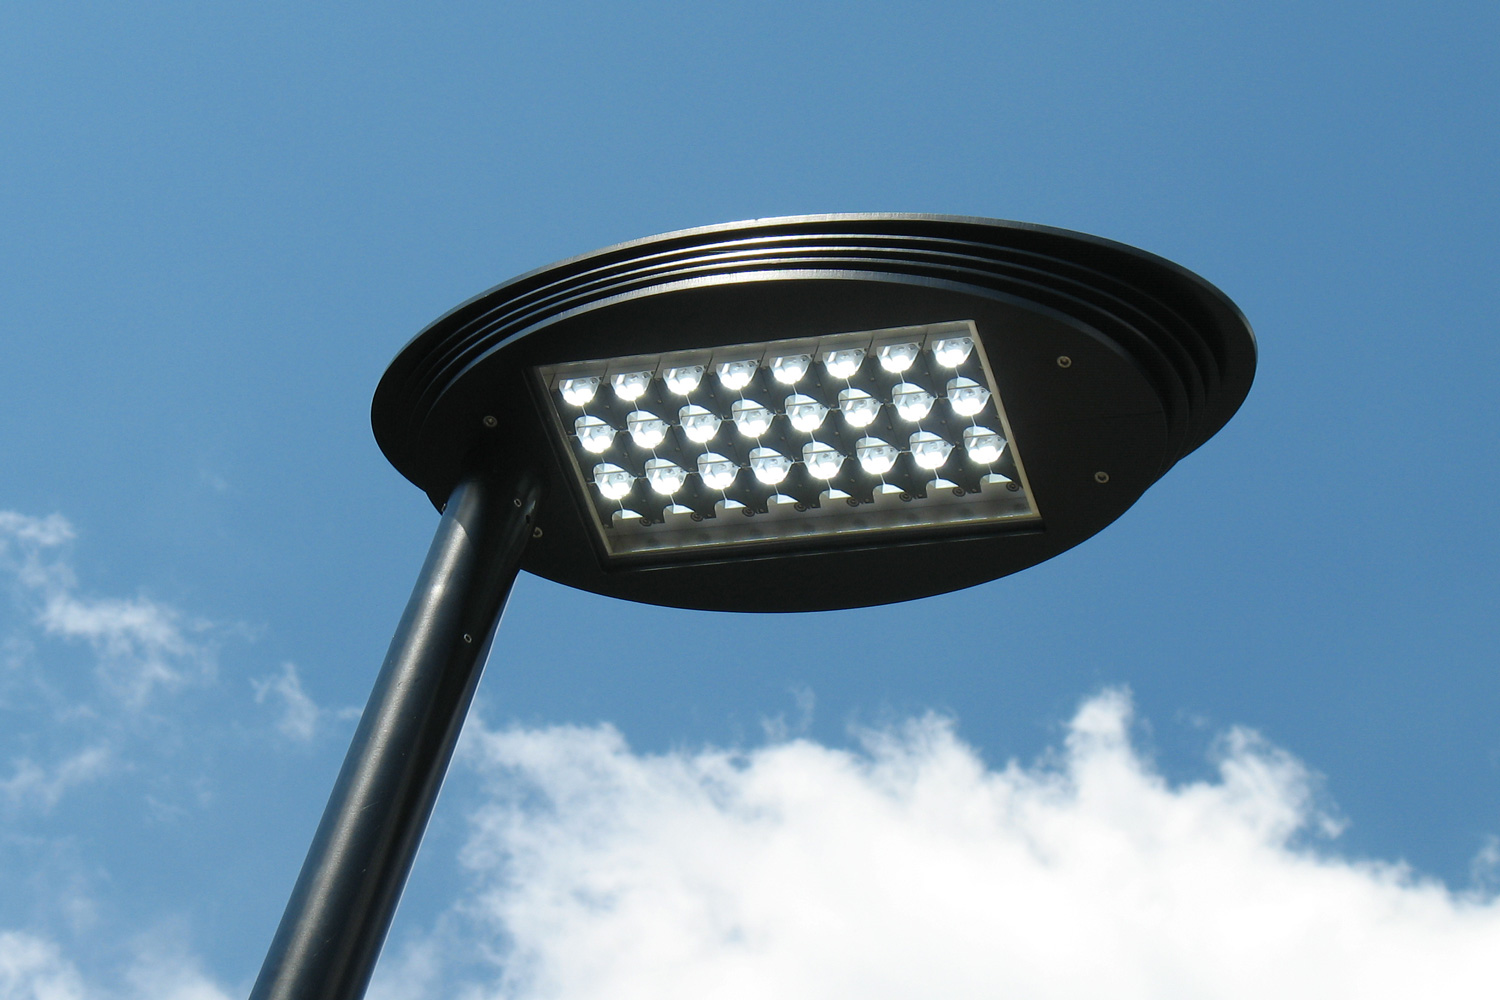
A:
{"points": [[875, 456], [952, 351], [750, 417], [684, 380], [594, 434], [735, 375], [928, 450], [769, 466], [665, 477], [843, 364], [698, 424], [898, 357], [859, 407], [967, 396], [805, 413], [789, 370], [823, 461], [717, 471], [983, 445], [631, 386], [613, 481], [579, 391], [912, 401], [647, 430]]}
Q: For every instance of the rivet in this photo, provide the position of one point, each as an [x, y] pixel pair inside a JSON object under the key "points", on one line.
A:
{"points": [[536, 532], [468, 637], [1101, 477], [491, 422], [1064, 361], [517, 501]]}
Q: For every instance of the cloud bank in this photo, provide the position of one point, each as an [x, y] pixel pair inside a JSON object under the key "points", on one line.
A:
{"points": [[909, 869]]}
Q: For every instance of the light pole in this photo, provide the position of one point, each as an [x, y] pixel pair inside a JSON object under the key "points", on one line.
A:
{"points": [[791, 414]]}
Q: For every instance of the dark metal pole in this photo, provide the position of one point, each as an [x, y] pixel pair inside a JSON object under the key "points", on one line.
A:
{"points": [[341, 907]]}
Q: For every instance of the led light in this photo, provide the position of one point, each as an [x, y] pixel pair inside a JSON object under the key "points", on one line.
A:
{"points": [[698, 424], [860, 408], [952, 351], [665, 477], [842, 364], [822, 461], [769, 466], [750, 417], [647, 430], [613, 481], [983, 445], [898, 357], [912, 401], [631, 386], [735, 375], [790, 369], [928, 450], [717, 471], [875, 456], [594, 434], [579, 391], [683, 381], [967, 396], [805, 413]]}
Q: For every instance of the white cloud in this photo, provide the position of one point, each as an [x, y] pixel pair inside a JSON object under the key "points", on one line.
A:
{"points": [[41, 785], [35, 968], [32, 968], [910, 869], [300, 716]]}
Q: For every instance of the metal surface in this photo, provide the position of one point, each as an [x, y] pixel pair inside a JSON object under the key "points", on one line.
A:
{"points": [[341, 908], [1159, 359]]}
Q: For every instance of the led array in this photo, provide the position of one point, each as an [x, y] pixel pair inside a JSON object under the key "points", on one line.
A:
{"points": [[813, 437]]}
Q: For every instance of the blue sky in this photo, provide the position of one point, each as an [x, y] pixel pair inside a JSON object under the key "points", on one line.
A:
{"points": [[219, 225]]}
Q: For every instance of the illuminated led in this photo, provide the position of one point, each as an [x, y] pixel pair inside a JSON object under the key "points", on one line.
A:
{"points": [[750, 417], [928, 450], [631, 386], [769, 466], [898, 357], [735, 375], [805, 413], [859, 407], [613, 481], [952, 351], [789, 370], [684, 380], [594, 434], [579, 391], [822, 461], [967, 396], [698, 424], [875, 456], [983, 445], [647, 430], [717, 471], [665, 477], [912, 401], [842, 364]]}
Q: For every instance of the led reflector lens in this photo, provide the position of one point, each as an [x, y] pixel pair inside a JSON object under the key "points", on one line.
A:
{"points": [[665, 477], [951, 352], [912, 401], [717, 471], [700, 425], [805, 413], [631, 386], [613, 481], [769, 466], [579, 391], [789, 370], [898, 357], [875, 456], [823, 461], [594, 434], [750, 417], [683, 381], [928, 450], [967, 396], [735, 375], [983, 445], [859, 407], [843, 364], [647, 430]]}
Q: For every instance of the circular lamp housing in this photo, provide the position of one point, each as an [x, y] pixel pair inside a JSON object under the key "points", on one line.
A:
{"points": [[1095, 367]]}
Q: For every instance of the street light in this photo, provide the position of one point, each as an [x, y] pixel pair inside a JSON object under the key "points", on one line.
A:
{"points": [[790, 414]]}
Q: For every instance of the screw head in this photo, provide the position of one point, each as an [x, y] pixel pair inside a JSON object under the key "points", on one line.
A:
{"points": [[1101, 477], [1064, 361], [536, 532], [468, 637], [491, 422]]}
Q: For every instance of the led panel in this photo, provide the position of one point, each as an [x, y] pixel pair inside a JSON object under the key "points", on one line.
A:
{"points": [[874, 431]]}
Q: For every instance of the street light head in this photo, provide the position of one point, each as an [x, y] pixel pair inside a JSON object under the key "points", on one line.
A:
{"points": [[823, 411]]}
